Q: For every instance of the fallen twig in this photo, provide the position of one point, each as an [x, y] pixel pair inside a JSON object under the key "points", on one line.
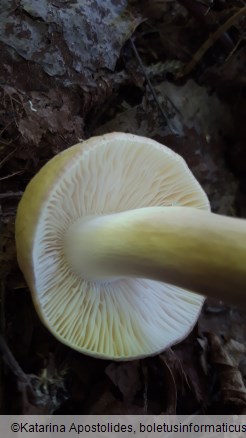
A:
{"points": [[24, 383], [9, 195], [7, 157], [210, 42], [203, 13], [151, 88], [226, 356], [11, 175]]}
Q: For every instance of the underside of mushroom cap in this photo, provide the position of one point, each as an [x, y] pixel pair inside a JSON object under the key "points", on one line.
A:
{"points": [[122, 319]]}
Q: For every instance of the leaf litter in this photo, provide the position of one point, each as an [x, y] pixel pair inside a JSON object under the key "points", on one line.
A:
{"points": [[69, 71]]}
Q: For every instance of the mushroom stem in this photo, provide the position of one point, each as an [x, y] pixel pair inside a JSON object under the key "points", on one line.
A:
{"points": [[190, 248]]}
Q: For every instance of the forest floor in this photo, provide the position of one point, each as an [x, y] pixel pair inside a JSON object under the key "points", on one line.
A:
{"points": [[173, 71]]}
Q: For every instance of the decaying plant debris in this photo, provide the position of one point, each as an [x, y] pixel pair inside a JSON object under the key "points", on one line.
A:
{"points": [[170, 70]]}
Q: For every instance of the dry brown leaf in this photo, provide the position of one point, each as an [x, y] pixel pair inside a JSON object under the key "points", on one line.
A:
{"points": [[108, 404], [169, 375], [188, 354], [226, 355], [126, 377]]}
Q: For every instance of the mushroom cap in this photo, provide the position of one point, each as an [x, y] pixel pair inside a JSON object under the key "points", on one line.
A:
{"points": [[123, 319]]}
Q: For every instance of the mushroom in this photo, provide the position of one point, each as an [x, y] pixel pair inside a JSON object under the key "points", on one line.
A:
{"points": [[118, 246]]}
